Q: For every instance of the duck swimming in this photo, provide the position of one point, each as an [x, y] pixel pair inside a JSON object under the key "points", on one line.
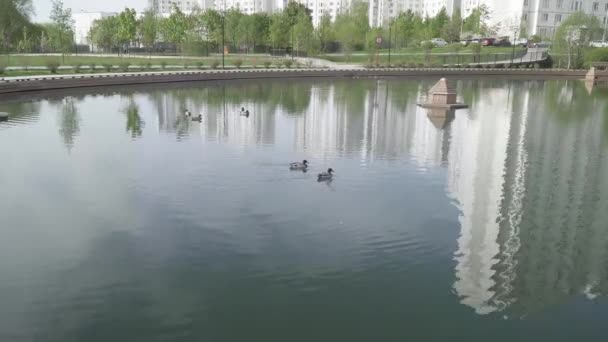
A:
{"points": [[187, 113], [198, 118], [326, 175], [299, 166]]}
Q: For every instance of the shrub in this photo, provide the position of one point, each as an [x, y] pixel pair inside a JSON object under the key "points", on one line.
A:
{"points": [[147, 66], [124, 66], [52, 67], [77, 67], [2, 69], [93, 67], [267, 64], [237, 63], [107, 67], [186, 65], [200, 65], [475, 47], [309, 64], [215, 64], [278, 63], [163, 65], [288, 63]]}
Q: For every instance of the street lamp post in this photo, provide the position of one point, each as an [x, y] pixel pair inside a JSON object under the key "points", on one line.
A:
{"points": [[390, 28], [223, 36], [514, 43], [605, 26]]}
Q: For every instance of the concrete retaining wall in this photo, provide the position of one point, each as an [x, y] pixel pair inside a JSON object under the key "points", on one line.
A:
{"points": [[41, 83]]}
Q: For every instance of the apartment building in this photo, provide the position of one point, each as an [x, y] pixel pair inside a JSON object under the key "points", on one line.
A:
{"points": [[319, 8], [382, 11], [536, 17]]}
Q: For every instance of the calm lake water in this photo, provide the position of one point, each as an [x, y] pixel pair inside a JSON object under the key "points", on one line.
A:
{"points": [[122, 221]]}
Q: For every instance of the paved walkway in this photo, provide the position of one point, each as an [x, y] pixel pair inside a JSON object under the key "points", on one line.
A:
{"points": [[533, 55]]}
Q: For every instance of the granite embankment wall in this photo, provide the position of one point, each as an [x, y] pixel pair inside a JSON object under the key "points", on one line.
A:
{"points": [[40, 83]]}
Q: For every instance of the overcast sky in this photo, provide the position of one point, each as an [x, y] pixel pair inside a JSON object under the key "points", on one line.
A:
{"points": [[43, 7]]}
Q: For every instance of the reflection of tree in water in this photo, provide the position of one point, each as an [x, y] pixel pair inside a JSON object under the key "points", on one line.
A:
{"points": [[70, 122], [20, 111], [293, 97], [135, 123]]}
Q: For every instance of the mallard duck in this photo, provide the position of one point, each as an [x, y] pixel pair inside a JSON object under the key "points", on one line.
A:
{"points": [[299, 166], [326, 175], [198, 118]]}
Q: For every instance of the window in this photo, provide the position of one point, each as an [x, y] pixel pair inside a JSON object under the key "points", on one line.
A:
{"points": [[558, 18], [545, 16], [559, 4], [596, 6], [545, 3]]}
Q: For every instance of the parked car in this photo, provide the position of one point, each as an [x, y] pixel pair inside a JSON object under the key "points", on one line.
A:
{"points": [[598, 44], [502, 42], [439, 42], [540, 45], [469, 41], [488, 41], [523, 42]]}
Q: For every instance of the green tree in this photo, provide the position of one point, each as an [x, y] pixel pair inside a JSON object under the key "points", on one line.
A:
{"points": [[174, 28], [352, 27], [451, 31], [304, 34], [62, 33], [235, 27], [404, 29], [478, 21], [14, 15], [439, 23], [279, 30], [574, 35], [325, 32], [127, 27], [261, 28], [103, 33], [148, 28], [26, 44], [211, 24]]}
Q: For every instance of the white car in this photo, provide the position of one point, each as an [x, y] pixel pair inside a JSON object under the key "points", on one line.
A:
{"points": [[439, 42], [599, 44]]}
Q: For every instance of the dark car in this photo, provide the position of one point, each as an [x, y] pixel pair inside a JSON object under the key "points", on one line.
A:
{"points": [[488, 41], [502, 42]]}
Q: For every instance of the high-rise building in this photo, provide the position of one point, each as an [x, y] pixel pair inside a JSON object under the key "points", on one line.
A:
{"points": [[319, 8], [535, 17], [165, 6], [246, 6], [382, 11]]}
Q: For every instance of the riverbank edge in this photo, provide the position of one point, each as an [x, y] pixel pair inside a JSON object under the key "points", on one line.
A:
{"points": [[10, 85]]}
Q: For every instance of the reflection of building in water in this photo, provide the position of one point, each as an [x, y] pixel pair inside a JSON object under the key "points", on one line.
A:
{"points": [[379, 127], [225, 123], [533, 203]]}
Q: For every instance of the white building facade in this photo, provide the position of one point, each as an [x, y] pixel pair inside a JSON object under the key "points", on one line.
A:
{"points": [[165, 6], [535, 17], [83, 22], [319, 8], [382, 11]]}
